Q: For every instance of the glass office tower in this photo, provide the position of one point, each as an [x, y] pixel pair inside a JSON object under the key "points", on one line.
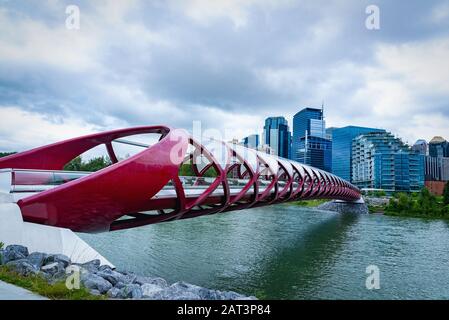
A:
{"points": [[309, 144], [277, 135], [381, 161], [342, 149], [251, 141]]}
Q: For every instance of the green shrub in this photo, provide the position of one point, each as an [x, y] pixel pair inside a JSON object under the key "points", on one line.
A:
{"points": [[39, 285], [422, 204], [446, 194], [380, 193], [92, 165]]}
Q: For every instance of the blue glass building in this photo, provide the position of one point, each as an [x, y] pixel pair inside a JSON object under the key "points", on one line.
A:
{"points": [[309, 144], [342, 149], [277, 135], [251, 141], [382, 161]]}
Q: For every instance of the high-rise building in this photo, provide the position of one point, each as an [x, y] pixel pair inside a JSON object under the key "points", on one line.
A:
{"points": [[251, 141], [437, 165], [437, 168], [438, 147], [276, 134], [382, 161], [342, 149], [309, 144], [420, 147], [266, 149], [329, 133]]}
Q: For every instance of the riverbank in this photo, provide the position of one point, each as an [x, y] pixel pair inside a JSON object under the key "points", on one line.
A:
{"points": [[415, 205], [418, 205], [54, 276]]}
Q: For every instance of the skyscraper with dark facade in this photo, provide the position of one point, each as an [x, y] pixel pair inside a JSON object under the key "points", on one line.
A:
{"points": [[437, 165], [438, 147], [309, 144], [342, 149], [276, 134]]}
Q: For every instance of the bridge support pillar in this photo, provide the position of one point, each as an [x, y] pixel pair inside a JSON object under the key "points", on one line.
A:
{"points": [[357, 207], [47, 239]]}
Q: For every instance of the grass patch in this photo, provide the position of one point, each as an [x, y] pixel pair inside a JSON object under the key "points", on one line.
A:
{"points": [[37, 284], [376, 209]]}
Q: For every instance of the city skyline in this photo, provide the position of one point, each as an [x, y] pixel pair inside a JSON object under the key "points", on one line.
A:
{"points": [[300, 54]]}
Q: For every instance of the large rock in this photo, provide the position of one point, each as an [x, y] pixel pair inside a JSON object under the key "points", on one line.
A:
{"points": [[37, 259], [54, 271], [177, 291], [93, 282], [149, 290], [156, 281], [105, 267], [114, 293], [131, 291], [22, 267], [14, 252], [91, 266], [59, 258], [186, 291], [113, 277]]}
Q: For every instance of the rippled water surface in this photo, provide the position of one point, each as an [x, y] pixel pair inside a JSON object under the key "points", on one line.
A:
{"points": [[288, 252]]}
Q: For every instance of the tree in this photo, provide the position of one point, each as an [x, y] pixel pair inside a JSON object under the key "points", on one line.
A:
{"points": [[92, 165], [427, 203], [4, 154], [404, 203], [74, 165], [446, 194], [96, 164]]}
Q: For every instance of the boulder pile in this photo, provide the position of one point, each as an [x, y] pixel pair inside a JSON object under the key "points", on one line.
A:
{"points": [[103, 280]]}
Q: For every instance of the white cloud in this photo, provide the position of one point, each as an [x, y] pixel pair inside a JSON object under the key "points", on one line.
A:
{"points": [[440, 13], [21, 130], [205, 11], [397, 90], [30, 42], [424, 66]]}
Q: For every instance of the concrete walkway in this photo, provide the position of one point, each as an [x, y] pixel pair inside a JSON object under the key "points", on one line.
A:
{"points": [[12, 292]]}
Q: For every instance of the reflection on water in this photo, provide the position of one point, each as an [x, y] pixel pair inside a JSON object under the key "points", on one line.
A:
{"points": [[288, 252]]}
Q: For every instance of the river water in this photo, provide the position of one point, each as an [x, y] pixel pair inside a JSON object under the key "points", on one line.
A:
{"points": [[289, 252]]}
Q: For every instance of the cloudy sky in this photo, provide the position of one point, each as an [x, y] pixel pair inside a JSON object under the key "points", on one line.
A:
{"points": [[227, 63]]}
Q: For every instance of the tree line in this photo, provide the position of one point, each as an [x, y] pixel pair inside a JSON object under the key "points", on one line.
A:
{"points": [[422, 204]]}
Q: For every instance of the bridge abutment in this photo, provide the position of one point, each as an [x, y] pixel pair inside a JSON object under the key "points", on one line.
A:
{"points": [[356, 207], [41, 238]]}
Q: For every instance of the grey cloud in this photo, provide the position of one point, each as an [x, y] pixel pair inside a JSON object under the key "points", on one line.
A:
{"points": [[311, 50]]}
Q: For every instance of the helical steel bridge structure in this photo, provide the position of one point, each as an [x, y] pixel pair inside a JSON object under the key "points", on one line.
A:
{"points": [[176, 177]]}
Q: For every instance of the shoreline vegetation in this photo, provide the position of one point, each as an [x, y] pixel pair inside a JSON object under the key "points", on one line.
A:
{"points": [[39, 285], [421, 204]]}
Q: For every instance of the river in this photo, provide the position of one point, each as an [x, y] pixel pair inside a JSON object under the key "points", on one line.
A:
{"points": [[289, 252]]}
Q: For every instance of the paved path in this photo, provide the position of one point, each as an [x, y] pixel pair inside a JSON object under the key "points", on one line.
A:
{"points": [[11, 292]]}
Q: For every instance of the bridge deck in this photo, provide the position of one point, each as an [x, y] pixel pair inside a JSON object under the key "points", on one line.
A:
{"points": [[26, 182]]}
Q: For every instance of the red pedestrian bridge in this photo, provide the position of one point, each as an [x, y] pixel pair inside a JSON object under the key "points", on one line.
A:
{"points": [[176, 177]]}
